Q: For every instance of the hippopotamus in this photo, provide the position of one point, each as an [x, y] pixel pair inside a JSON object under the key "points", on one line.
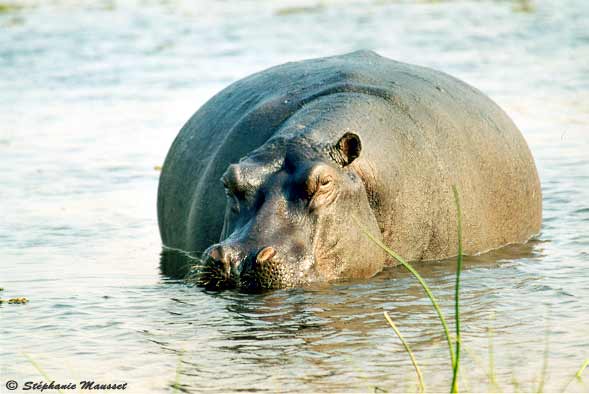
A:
{"points": [[275, 181]]}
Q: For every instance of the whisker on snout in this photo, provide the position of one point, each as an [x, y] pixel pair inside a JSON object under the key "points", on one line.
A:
{"points": [[206, 273]]}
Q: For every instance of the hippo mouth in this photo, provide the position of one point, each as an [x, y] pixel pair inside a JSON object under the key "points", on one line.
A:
{"points": [[256, 272]]}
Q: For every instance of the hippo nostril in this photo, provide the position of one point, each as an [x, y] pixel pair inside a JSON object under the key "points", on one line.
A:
{"points": [[266, 254], [219, 259], [219, 268], [216, 254]]}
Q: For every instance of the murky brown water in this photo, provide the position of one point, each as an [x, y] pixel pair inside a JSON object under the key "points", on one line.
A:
{"points": [[92, 96]]}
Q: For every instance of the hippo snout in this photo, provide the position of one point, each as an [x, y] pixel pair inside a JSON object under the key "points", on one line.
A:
{"points": [[225, 267]]}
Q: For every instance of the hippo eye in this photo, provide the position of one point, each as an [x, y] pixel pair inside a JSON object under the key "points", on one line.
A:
{"points": [[326, 180], [320, 181]]}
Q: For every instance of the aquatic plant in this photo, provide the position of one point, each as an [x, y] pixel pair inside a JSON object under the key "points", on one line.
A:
{"points": [[577, 375], [426, 288], [14, 300], [176, 385], [408, 350], [457, 290], [454, 354], [455, 348], [40, 370]]}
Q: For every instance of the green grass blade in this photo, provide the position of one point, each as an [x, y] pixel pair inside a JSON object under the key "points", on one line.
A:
{"points": [[40, 370], [577, 375], [176, 384], [580, 371], [424, 285], [545, 359], [515, 383], [408, 350], [492, 376], [456, 363]]}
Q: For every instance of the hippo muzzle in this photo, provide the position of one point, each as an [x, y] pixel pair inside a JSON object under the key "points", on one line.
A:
{"points": [[226, 267]]}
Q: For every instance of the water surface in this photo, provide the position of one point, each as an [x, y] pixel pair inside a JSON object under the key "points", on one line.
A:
{"points": [[91, 97]]}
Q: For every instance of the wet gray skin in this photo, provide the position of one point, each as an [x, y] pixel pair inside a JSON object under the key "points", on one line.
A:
{"points": [[273, 178]]}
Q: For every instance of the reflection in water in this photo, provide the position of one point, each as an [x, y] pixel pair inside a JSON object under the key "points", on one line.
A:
{"points": [[92, 97]]}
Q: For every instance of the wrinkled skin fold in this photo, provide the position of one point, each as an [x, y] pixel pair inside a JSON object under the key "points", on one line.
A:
{"points": [[270, 181]]}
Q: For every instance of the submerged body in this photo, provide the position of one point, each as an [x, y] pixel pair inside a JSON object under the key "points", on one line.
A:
{"points": [[309, 152]]}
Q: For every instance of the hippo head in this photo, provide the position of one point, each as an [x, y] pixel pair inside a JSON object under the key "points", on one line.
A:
{"points": [[294, 215]]}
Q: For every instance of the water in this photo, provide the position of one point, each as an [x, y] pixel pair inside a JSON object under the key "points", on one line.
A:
{"points": [[92, 96]]}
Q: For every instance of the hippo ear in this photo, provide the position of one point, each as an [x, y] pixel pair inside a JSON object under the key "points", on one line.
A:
{"points": [[347, 149]]}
